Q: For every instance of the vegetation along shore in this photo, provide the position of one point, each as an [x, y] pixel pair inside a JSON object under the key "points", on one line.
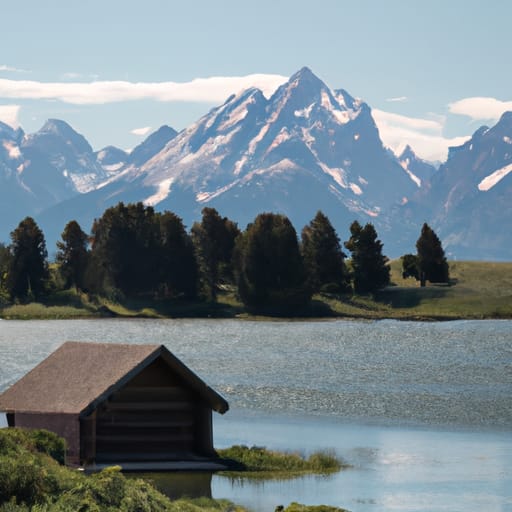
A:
{"points": [[140, 263], [33, 477]]}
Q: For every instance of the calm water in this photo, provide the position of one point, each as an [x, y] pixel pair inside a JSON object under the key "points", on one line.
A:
{"points": [[422, 411]]}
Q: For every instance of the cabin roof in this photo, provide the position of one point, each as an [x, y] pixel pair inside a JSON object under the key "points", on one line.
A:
{"points": [[78, 376]]}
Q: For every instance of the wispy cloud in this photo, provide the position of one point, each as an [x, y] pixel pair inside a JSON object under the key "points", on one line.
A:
{"points": [[208, 90], [141, 131], [398, 99], [480, 108], [4, 67], [425, 136], [73, 75], [9, 115]]}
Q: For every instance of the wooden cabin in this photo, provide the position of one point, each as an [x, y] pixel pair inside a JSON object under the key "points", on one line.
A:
{"points": [[118, 404]]}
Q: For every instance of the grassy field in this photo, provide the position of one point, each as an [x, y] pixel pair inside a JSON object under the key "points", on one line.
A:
{"points": [[477, 290]]}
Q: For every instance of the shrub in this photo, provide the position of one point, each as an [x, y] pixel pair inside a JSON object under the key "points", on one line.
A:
{"points": [[256, 458]]}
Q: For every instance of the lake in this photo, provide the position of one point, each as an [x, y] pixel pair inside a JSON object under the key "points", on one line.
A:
{"points": [[421, 411]]}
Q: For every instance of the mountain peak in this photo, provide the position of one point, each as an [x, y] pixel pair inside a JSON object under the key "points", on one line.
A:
{"points": [[154, 143], [303, 73], [408, 152], [61, 129], [306, 78], [56, 126], [505, 121]]}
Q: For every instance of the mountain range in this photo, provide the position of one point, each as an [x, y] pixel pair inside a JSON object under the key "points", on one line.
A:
{"points": [[305, 148]]}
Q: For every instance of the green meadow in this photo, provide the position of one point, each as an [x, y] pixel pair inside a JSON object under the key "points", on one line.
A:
{"points": [[477, 290]]}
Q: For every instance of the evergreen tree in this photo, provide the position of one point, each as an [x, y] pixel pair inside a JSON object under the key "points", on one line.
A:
{"points": [[176, 260], [28, 268], [369, 266], [270, 269], [410, 266], [214, 239], [72, 255], [432, 262], [124, 243], [323, 257], [5, 257]]}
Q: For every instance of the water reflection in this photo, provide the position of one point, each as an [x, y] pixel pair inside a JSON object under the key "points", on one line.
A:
{"points": [[180, 484]]}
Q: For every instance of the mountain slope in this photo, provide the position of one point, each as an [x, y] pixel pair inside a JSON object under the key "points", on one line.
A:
{"points": [[305, 148], [468, 198]]}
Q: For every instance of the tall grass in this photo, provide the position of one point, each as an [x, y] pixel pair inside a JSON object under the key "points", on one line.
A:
{"points": [[258, 459]]}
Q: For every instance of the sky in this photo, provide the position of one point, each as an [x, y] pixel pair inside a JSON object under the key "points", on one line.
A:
{"points": [[432, 72]]}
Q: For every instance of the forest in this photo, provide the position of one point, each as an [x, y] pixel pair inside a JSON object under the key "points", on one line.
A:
{"points": [[134, 251]]}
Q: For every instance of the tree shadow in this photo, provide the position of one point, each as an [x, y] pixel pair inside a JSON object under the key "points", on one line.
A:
{"points": [[398, 297]]}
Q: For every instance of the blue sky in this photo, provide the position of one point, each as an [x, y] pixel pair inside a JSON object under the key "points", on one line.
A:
{"points": [[433, 72]]}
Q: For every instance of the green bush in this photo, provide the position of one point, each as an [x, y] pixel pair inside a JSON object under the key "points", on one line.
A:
{"points": [[256, 458], [31, 479]]}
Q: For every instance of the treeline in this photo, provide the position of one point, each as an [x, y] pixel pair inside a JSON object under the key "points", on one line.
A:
{"points": [[133, 251]]}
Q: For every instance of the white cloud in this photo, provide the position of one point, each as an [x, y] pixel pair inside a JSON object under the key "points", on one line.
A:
{"points": [[71, 75], [209, 90], [9, 115], [480, 108], [4, 67], [425, 136], [398, 99], [141, 131]]}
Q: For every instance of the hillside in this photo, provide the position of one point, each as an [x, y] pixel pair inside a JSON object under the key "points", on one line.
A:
{"points": [[478, 290]]}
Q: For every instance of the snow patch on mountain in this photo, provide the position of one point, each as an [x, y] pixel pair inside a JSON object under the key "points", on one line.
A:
{"points": [[405, 166], [307, 137], [12, 149], [254, 142], [113, 167], [305, 112], [163, 190], [83, 182], [204, 197], [494, 178], [338, 174], [281, 137], [356, 189], [239, 164]]}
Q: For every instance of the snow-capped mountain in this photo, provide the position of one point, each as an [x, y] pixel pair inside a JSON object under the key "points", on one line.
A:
{"points": [[58, 162], [111, 159], [468, 198], [16, 199], [148, 148], [305, 148]]}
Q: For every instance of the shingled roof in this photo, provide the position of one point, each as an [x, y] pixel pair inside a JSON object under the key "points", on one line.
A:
{"points": [[79, 375]]}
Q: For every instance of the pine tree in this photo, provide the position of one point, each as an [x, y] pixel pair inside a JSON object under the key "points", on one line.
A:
{"points": [[28, 268], [270, 269], [323, 257], [176, 259], [214, 240], [124, 244], [432, 262], [5, 257], [72, 255], [369, 266]]}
